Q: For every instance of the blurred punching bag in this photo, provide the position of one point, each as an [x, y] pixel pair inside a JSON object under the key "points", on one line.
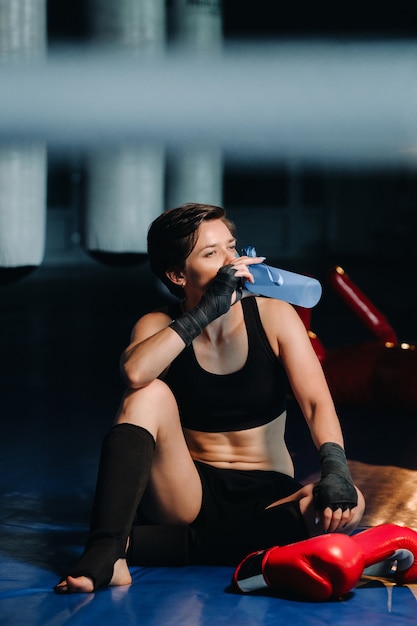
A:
{"points": [[196, 173], [125, 187], [23, 165]]}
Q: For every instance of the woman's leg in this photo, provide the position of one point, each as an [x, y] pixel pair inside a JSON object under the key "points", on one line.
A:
{"points": [[144, 450], [166, 501]]}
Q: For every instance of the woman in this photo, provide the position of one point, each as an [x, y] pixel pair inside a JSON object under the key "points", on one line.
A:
{"points": [[198, 441]]}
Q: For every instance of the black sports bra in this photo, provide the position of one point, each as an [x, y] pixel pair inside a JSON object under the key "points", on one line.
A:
{"points": [[250, 397]]}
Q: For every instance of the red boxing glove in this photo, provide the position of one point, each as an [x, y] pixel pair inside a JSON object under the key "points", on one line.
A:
{"points": [[320, 568], [393, 543]]}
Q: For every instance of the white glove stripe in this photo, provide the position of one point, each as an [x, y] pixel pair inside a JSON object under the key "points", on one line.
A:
{"points": [[252, 584]]}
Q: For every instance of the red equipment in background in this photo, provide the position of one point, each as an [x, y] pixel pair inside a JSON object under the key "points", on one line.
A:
{"points": [[380, 373]]}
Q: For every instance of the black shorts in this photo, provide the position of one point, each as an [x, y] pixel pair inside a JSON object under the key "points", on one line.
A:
{"points": [[230, 494], [233, 521]]}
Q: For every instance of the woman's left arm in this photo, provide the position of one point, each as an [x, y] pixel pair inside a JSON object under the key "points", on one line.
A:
{"points": [[304, 371], [335, 494]]}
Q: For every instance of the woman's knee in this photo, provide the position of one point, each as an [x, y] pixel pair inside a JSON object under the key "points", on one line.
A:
{"points": [[148, 406], [359, 510]]}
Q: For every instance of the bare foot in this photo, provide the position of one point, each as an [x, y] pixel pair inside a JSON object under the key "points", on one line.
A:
{"points": [[83, 584]]}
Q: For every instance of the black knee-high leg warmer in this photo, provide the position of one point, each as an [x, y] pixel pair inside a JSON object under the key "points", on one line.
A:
{"points": [[124, 469]]}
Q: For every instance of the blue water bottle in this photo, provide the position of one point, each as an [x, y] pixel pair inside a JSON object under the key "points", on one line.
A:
{"points": [[281, 284]]}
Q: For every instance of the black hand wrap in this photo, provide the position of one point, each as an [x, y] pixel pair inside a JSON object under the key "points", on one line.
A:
{"points": [[335, 488], [215, 302]]}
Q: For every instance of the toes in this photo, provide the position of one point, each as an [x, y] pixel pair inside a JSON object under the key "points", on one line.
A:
{"points": [[74, 585], [62, 587]]}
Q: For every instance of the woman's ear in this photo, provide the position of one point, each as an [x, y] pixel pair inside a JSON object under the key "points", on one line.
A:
{"points": [[176, 277]]}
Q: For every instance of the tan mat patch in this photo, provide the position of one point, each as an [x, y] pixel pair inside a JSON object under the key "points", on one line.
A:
{"points": [[390, 493]]}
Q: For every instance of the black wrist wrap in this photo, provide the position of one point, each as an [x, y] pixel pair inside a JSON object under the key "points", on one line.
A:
{"points": [[189, 325], [215, 302], [335, 488]]}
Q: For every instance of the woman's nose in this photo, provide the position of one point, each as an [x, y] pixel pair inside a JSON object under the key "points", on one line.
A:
{"points": [[229, 256]]}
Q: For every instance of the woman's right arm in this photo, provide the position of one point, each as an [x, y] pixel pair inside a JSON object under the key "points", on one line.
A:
{"points": [[153, 347], [157, 340]]}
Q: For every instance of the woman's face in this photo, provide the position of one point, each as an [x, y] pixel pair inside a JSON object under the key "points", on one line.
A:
{"points": [[215, 247]]}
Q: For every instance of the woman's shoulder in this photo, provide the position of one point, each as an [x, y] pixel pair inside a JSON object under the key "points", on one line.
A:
{"points": [[278, 315], [273, 306], [151, 322], [171, 310]]}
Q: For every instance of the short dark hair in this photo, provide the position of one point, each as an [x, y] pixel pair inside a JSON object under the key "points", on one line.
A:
{"points": [[173, 235]]}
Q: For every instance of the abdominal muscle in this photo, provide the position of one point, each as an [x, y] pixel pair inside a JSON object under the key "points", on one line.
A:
{"points": [[260, 448]]}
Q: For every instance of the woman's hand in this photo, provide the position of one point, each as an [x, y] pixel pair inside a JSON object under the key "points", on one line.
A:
{"points": [[242, 266], [334, 495], [334, 521]]}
